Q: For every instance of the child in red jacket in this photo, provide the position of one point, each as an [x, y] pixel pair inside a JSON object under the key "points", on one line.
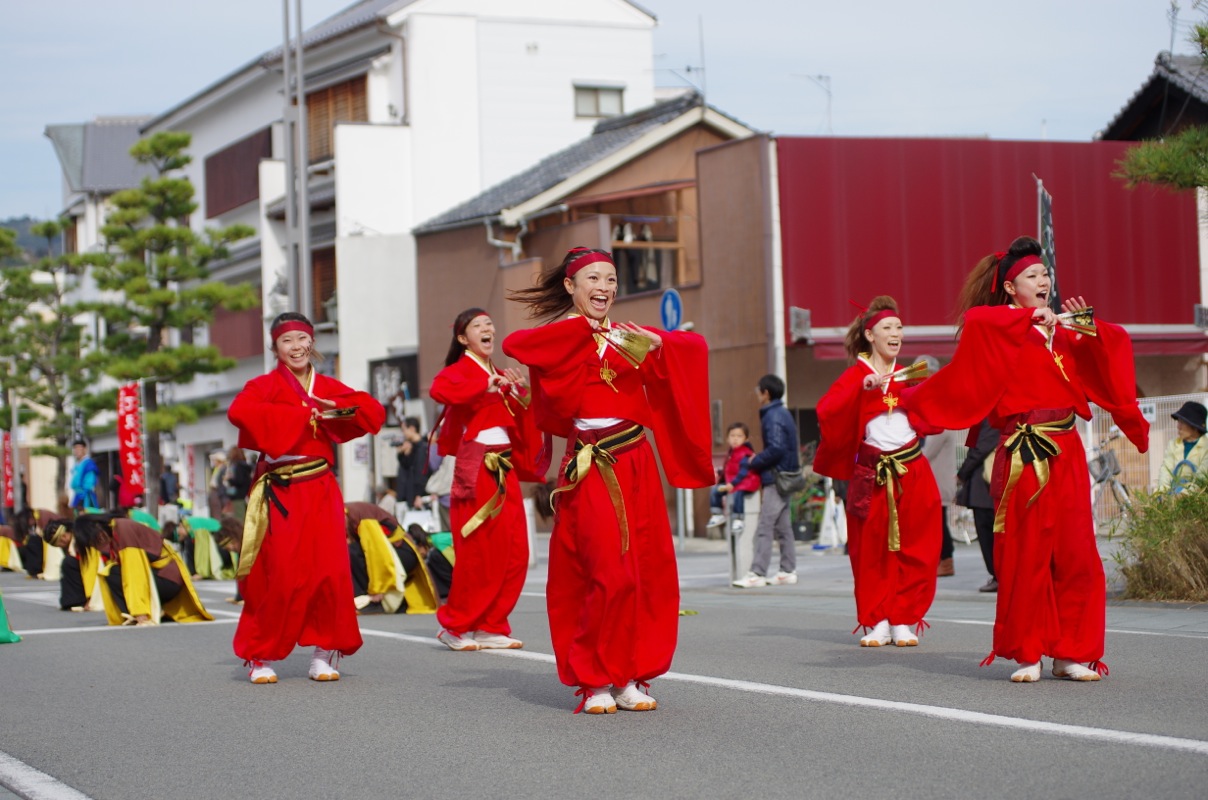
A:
{"points": [[734, 479]]}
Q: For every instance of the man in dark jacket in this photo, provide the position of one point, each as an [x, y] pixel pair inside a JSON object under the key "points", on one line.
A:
{"points": [[412, 466], [779, 454]]}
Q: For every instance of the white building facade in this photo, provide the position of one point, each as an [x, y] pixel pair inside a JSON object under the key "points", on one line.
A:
{"points": [[413, 106]]}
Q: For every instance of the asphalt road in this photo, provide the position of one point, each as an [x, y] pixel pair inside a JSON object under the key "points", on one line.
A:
{"points": [[770, 697]]}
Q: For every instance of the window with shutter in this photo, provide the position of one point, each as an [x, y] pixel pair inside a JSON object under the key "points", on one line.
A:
{"points": [[238, 334], [232, 175], [323, 275], [343, 102]]}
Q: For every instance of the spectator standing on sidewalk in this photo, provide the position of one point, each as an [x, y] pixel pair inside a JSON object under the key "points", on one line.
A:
{"points": [[779, 453], [940, 451], [1186, 454], [973, 492]]}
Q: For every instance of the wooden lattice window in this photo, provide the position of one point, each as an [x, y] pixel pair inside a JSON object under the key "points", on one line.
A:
{"points": [[233, 174], [344, 102], [238, 334], [323, 274]]}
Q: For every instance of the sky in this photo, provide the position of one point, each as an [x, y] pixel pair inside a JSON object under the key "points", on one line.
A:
{"points": [[1021, 69]]}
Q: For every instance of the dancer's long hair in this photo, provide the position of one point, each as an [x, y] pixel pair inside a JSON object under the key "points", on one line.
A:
{"points": [[983, 286], [548, 297]]}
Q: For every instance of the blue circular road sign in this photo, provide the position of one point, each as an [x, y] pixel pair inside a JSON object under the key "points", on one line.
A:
{"points": [[671, 308]]}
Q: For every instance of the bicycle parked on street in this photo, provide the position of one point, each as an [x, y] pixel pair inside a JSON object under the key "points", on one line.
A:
{"points": [[1111, 502]]}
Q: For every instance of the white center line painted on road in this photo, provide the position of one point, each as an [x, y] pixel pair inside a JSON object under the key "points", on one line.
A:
{"points": [[1172, 634], [24, 780], [95, 628], [935, 712]]}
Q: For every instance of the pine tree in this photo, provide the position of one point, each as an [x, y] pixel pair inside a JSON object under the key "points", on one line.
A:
{"points": [[160, 267], [57, 364]]}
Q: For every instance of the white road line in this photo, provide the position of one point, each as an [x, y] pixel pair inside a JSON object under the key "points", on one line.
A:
{"points": [[24, 780], [936, 712], [93, 629], [1171, 634]]}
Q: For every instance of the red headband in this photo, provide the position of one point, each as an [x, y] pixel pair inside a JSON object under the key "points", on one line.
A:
{"points": [[292, 325], [1016, 268], [582, 261], [884, 313]]}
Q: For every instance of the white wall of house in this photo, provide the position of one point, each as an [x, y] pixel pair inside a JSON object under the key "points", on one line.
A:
{"points": [[528, 71], [375, 264]]}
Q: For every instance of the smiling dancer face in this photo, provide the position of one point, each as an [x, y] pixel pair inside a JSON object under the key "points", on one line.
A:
{"points": [[885, 339], [294, 343], [473, 330], [593, 289], [876, 333], [1031, 288], [479, 337]]}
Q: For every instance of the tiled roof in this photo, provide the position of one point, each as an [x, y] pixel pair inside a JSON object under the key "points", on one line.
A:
{"points": [[1185, 72], [95, 156], [609, 136], [356, 16]]}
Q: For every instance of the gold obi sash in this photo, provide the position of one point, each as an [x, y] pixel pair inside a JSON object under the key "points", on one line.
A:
{"points": [[601, 448], [888, 467], [255, 523], [497, 461], [1030, 443]]}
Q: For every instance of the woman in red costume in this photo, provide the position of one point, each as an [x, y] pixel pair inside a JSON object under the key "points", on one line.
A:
{"points": [[293, 565], [487, 426], [1032, 371], [613, 592], [894, 520]]}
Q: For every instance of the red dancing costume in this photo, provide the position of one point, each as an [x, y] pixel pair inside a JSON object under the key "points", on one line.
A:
{"points": [[496, 445], [299, 588], [613, 592], [1051, 586], [867, 440]]}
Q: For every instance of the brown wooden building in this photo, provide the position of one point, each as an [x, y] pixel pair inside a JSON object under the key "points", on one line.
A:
{"points": [[631, 188]]}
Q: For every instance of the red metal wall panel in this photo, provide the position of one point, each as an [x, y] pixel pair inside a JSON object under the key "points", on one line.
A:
{"points": [[910, 218]]}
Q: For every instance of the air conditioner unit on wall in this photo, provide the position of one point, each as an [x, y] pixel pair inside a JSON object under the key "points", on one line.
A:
{"points": [[799, 325], [1201, 317]]}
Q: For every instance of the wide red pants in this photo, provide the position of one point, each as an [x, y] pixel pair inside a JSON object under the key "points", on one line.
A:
{"points": [[1052, 593], [491, 562], [299, 591], [613, 616], [897, 585]]}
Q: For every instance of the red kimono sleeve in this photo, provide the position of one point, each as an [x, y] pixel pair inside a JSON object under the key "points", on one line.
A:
{"points": [[531, 452], [677, 387], [554, 355], [457, 390], [839, 424], [964, 393], [453, 386], [267, 424], [1108, 374]]}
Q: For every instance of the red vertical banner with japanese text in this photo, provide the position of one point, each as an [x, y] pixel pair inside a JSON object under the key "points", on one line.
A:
{"points": [[130, 437], [9, 500]]}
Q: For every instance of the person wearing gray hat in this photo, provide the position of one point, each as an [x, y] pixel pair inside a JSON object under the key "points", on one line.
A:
{"points": [[1187, 454]]}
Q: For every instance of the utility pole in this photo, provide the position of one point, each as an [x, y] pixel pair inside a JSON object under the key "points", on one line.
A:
{"points": [[297, 165]]}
